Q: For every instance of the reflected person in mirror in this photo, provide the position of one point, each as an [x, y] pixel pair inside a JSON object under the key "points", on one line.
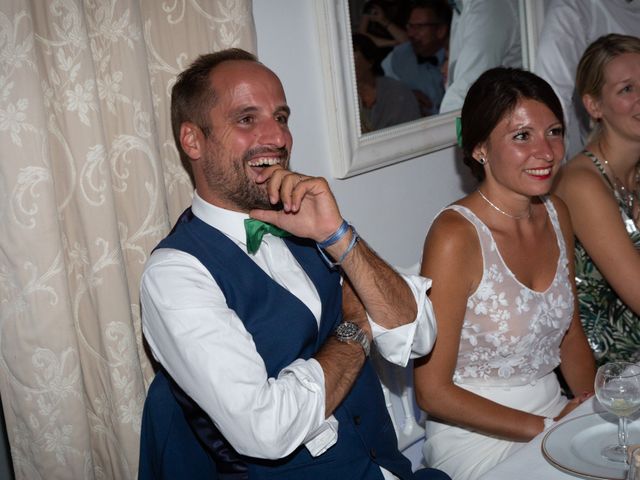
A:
{"points": [[263, 330], [383, 22], [503, 291], [417, 62], [484, 34], [383, 101], [601, 187]]}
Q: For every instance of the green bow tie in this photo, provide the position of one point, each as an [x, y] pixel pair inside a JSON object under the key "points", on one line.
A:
{"points": [[255, 231]]}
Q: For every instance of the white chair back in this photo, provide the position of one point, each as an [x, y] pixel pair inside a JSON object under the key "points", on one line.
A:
{"points": [[397, 386]]}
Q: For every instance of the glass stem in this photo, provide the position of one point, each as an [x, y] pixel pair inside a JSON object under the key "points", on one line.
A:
{"points": [[622, 433]]}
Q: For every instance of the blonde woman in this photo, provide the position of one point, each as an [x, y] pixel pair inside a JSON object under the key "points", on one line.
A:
{"points": [[601, 187]]}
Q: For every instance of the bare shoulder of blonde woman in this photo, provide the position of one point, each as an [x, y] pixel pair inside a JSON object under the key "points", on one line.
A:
{"points": [[597, 224]]}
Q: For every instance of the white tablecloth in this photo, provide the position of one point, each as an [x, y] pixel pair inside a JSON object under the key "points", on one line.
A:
{"points": [[528, 463]]}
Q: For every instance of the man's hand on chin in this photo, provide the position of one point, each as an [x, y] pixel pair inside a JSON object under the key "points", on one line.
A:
{"points": [[309, 207]]}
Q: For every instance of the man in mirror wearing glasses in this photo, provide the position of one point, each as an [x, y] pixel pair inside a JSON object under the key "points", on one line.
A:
{"points": [[417, 62]]}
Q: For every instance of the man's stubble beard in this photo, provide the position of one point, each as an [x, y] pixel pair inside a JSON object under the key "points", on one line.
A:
{"points": [[232, 183]]}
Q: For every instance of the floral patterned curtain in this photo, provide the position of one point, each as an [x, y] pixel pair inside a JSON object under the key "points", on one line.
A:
{"points": [[90, 181]]}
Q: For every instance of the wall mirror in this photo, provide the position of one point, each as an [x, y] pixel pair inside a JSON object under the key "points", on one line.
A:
{"points": [[356, 148]]}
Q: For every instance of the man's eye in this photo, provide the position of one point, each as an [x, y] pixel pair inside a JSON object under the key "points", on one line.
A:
{"points": [[282, 119], [245, 120]]}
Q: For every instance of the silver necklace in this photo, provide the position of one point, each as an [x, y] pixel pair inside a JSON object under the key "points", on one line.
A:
{"points": [[526, 214], [626, 196]]}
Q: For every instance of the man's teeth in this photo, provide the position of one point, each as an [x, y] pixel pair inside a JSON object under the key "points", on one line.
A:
{"points": [[263, 162], [539, 171]]}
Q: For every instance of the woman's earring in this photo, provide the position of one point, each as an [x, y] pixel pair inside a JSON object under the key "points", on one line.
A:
{"points": [[482, 160]]}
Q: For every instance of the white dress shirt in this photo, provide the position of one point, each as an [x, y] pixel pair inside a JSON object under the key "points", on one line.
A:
{"points": [[402, 64], [485, 34], [568, 29], [205, 347]]}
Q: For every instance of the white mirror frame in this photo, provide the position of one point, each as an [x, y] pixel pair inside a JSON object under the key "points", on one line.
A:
{"points": [[351, 152]]}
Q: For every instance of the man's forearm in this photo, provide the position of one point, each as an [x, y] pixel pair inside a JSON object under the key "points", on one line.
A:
{"points": [[341, 363], [385, 295]]}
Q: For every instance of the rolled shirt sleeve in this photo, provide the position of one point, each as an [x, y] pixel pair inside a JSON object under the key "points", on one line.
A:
{"points": [[416, 339], [207, 350]]}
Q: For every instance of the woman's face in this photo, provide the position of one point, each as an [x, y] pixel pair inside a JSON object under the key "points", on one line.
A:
{"points": [[619, 102], [524, 150]]}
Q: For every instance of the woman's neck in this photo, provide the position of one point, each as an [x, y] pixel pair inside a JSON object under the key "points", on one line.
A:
{"points": [[621, 156]]}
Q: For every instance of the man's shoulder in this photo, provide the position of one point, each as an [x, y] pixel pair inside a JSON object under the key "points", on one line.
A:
{"points": [[165, 259], [402, 49]]}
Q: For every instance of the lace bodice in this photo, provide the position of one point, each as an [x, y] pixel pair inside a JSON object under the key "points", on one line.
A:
{"points": [[511, 334]]}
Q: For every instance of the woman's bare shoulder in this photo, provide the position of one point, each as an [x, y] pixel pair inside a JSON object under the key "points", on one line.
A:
{"points": [[579, 178], [451, 233]]}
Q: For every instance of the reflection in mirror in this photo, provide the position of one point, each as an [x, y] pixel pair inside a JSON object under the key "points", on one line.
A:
{"points": [[383, 101], [484, 34], [399, 50], [351, 151], [432, 48]]}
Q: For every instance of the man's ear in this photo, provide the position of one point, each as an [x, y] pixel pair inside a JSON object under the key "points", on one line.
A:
{"points": [[191, 140], [592, 106]]}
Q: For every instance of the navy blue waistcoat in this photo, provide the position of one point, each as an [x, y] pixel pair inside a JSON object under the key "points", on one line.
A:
{"points": [[284, 329]]}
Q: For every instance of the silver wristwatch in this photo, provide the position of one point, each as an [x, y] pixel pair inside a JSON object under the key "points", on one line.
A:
{"points": [[350, 332]]}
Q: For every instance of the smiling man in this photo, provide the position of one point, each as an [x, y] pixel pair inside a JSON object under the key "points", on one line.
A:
{"points": [[264, 342]]}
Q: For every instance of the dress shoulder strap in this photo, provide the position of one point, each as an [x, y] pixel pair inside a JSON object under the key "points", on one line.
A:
{"points": [[555, 222], [600, 168], [626, 210], [487, 243], [466, 213]]}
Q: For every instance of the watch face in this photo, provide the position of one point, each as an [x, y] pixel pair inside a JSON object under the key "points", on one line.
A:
{"points": [[347, 330]]}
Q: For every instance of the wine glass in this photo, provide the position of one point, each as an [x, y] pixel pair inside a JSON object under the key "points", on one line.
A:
{"points": [[617, 388]]}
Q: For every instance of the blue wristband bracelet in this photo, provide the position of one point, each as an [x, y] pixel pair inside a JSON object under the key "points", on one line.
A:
{"points": [[354, 239], [335, 236]]}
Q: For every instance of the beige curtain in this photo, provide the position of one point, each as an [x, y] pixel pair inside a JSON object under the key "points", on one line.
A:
{"points": [[90, 181]]}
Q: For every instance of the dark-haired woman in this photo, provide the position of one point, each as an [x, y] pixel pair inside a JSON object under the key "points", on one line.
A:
{"points": [[601, 187], [501, 261]]}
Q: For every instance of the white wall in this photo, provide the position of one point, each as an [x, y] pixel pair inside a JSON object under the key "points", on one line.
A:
{"points": [[391, 207]]}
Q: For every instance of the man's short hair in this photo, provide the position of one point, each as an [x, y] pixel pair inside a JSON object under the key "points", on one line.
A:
{"points": [[440, 9], [192, 96]]}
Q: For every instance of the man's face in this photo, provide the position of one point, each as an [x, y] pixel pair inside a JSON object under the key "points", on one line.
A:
{"points": [[425, 33], [249, 131]]}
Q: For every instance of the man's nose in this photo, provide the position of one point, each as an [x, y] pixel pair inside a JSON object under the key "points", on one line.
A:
{"points": [[274, 132]]}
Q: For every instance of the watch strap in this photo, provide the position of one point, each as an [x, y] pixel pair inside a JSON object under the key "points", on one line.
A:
{"points": [[351, 332]]}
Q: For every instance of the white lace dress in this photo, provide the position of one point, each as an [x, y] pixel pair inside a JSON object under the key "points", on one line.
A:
{"points": [[509, 346]]}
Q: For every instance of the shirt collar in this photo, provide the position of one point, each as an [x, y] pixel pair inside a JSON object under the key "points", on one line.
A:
{"points": [[227, 221]]}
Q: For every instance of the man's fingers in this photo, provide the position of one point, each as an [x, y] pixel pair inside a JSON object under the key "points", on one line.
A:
{"points": [[290, 193]]}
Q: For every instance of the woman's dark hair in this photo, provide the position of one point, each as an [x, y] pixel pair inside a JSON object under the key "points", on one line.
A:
{"points": [[363, 44], [492, 96]]}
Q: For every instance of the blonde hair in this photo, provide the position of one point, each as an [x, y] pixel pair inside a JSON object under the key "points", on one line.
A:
{"points": [[590, 71]]}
